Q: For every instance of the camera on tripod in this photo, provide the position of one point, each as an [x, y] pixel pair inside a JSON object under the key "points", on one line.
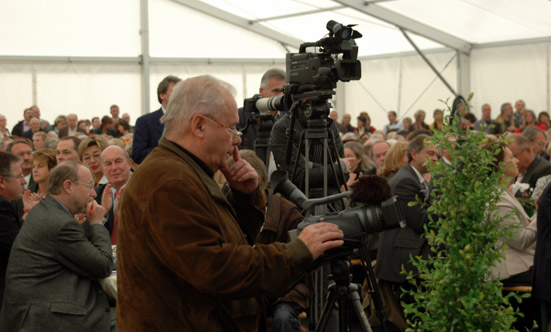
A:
{"points": [[313, 74], [355, 222]]}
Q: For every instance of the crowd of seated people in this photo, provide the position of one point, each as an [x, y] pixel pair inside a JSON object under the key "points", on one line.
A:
{"points": [[394, 152]]}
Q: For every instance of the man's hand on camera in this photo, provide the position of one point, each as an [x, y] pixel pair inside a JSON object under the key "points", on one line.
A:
{"points": [[321, 237]]}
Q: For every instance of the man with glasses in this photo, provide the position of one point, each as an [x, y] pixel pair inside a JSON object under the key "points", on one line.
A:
{"points": [[530, 166], [538, 140], [12, 183], [51, 279], [23, 149], [183, 261]]}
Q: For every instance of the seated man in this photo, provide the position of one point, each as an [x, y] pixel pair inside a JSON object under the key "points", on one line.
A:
{"points": [[11, 188], [116, 168], [51, 280]]}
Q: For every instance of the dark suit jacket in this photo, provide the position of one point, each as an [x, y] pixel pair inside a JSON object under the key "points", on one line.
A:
{"points": [[542, 259], [18, 129], [51, 278], [110, 216], [147, 132], [9, 227], [396, 245], [538, 168]]}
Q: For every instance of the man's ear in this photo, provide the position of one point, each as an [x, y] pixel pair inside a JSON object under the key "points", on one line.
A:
{"points": [[197, 125], [68, 186], [2, 182]]}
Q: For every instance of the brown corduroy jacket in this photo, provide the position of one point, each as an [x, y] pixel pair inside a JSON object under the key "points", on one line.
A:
{"points": [[183, 261]]}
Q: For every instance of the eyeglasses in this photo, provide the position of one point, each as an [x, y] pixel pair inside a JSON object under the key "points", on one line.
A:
{"points": [[20, 176], [89, 185], [236, 133], [89, 157]]}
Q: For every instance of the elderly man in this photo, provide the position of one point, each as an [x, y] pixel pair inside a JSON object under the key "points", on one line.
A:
{"points": [[538, 140], [11, 188], [180, 237], [378, 152], [67, 149], [530, 166], [35, 128], [71, 129], [116, 168], [345, 126], [51, 280]]}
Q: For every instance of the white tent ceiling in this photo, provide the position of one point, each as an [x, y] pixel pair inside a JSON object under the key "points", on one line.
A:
{"points": [[147, 39]]}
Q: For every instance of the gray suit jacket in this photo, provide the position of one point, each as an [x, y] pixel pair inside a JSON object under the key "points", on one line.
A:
{"points": [[52, 270], [519, 253], [396, 245]]}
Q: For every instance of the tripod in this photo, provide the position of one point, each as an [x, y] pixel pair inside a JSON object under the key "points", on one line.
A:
{"points": [[345, 295]]}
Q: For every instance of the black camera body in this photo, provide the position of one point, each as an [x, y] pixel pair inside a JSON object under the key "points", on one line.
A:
{"points": [[320, 71]]}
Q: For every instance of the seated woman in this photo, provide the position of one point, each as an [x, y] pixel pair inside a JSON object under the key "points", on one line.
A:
{"points": [[515, 269], [42, 161], [358, 161], [396, 158], [89, 151]]}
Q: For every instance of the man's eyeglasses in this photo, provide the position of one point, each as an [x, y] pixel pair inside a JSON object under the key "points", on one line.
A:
{"points": [[236, 133], [89, 185], [19, 177]]}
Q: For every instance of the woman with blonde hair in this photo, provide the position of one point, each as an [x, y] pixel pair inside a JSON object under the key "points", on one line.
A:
{"points": [[89, 152], [396, 158], [529, 119]]}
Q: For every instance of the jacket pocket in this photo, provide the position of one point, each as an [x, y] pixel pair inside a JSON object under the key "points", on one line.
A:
{"points": [[67, 308]]}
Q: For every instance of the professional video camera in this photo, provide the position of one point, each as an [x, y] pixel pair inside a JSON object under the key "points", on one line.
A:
{"points": [[372, 217], [309, 72]]}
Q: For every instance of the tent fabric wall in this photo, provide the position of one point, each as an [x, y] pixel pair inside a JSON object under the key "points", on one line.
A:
{"points": [[404, 84], [506, 74]]}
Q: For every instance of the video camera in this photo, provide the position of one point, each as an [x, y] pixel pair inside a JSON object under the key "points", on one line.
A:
{"points": [[355, 223], [313, 75]]}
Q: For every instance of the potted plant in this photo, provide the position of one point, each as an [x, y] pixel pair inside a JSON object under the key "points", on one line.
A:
{"points": [[452, 290]]}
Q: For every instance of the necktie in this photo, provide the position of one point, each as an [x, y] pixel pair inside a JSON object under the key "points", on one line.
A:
{"points": [[426, 189], [115, 218]]}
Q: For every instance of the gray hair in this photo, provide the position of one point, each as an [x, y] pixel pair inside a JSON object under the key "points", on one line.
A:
{"points": [[272, 73], [196, 95]]}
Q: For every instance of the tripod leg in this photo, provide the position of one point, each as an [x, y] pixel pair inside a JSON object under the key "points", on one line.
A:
{"points": [[327, 310], [374, 290], [357, 306]]}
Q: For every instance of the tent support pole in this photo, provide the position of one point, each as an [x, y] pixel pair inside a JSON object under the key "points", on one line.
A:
{"points": [[145, 57]]}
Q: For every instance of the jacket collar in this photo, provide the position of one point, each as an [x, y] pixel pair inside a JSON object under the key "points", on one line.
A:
{"points": [[210, 184]]}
